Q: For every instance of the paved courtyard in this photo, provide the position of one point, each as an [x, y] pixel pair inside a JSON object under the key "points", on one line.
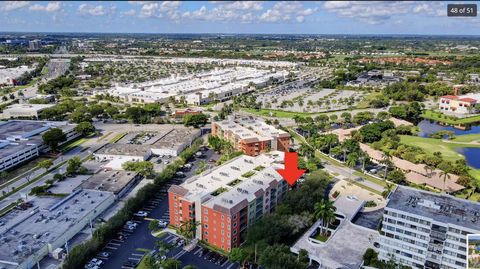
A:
{"points": [[345, 248]]}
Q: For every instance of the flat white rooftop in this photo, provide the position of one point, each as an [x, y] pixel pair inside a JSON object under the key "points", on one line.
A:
{"points": [[200, 187]]}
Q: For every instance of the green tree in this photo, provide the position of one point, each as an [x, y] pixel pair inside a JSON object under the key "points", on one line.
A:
{"points": [[387, 190], [45, 164], [85, 128], [278, 256], [53, 138], [144, 168], [171, 264], [325, 211], [196, 120], [153, 225], [73, 165], [396, 176]]}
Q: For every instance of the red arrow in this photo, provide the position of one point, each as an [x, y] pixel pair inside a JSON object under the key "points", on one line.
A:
{"points": [[291, 173]]}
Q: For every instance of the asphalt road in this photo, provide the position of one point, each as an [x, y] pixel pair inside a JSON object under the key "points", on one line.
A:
{"points": [[141, 238]]}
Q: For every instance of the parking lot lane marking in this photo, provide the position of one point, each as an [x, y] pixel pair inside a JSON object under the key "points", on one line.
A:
{"points": [[115, 244], [111, 248], [180, 254], [225, 263], [138, 254], [230, 266], [134, 259], [149, 219], [199, 250]]}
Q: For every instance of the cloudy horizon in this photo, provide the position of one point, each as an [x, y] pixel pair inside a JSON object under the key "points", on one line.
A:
{"points": [[230, 17]]}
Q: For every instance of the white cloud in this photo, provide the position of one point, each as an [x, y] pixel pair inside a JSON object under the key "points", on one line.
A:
{"points": [[50, 7], [285, 11], [13, 5], [376, 12], [130, 12], [86, 9], [167, 9], [148, 10]]}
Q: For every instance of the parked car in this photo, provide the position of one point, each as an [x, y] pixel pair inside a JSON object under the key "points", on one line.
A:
{"points": [[141, 214], [162, 224], [104, 254]]}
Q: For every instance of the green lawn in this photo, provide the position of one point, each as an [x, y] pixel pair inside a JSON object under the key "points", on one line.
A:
{"points": [[71, 145], [431, 145], [117, 138], [437, 116], [365, 103], [467, 138], [448, 150]]}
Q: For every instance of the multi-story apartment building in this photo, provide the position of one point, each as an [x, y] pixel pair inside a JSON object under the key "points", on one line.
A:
{"points": [[422, 229], [251, 136], [227, 199]]}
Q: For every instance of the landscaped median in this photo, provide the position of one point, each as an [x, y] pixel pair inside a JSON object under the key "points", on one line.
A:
{"points": [[440, 117]]}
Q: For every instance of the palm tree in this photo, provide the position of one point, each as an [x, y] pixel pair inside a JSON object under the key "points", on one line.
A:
{"points": [[188, 228], [363, 157], [387, 190], [387, 161], [352, 159], [305, 150], [325, 211], [444, 175]]}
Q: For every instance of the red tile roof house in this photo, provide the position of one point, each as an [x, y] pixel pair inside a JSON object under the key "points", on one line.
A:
{"points": [[451, 104]]}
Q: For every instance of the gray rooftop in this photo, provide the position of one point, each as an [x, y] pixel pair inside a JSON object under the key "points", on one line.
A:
{"points": [[46, 223], [439, 207], [124, 149], [19, 134], [111, 181]]}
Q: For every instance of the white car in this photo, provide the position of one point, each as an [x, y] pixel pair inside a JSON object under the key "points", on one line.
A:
{"points": [[162, 224], [141, 214]]}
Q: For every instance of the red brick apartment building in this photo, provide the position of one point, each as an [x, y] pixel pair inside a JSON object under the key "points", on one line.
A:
{"points": [[251, 136], [227, 199]]}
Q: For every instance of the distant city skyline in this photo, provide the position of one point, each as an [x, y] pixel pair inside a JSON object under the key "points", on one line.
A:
{"points": [[252, 17]]}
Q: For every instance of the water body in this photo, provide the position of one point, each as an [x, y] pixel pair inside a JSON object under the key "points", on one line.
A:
{"points": [[472, 155], [427, 127]]}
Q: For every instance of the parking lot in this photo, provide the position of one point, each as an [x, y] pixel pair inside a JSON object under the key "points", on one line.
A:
{"points": [[128, 248]]}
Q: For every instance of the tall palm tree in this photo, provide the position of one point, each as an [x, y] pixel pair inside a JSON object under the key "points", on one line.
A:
{"points": [[444, 175], [352, 159], [325, 211], [387, 161], [387, 190]]}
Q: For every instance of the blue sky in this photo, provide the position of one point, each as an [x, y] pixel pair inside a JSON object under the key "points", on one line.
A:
{"points": [[329, 17]]}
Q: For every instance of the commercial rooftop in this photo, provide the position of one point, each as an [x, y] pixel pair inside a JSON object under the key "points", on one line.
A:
{"points": [[31, 231], [107, 180], [125, 150], [217, 81], [19, 134], [202, 186], [20, 110], [439, 207]]}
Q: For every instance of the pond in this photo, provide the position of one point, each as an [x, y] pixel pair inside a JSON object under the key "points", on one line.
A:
{"points": [[427, 127], [472, 155]]}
